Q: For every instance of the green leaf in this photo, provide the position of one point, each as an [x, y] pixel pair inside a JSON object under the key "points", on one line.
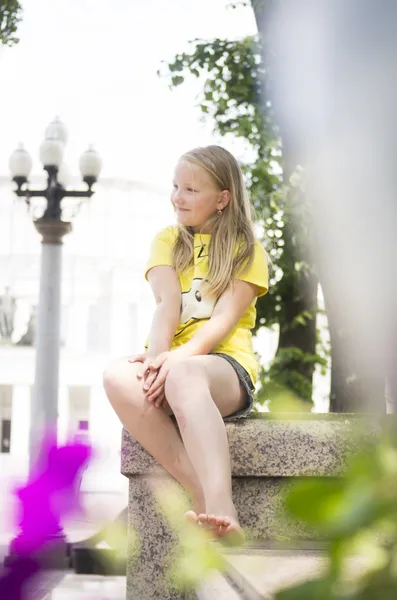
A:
{"points": [[177, 80], [318, 589], [313, 500]]}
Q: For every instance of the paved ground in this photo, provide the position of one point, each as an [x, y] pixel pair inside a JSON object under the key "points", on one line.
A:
{"points": [[259, 574], [77, 587]]}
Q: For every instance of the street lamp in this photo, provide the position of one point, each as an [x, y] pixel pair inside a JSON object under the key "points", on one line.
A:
{"points": [[52, 228]]}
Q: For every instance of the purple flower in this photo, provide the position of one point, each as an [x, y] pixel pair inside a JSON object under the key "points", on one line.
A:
{"points": [[50, 494], [13, 579]]}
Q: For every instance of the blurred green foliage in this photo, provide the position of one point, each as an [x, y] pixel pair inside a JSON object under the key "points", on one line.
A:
{"points": [[195, 559], [235, 98], [358, 516], [10, 16]]}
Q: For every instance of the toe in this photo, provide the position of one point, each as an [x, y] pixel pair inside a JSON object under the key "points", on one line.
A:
{"points": [[203, 518], [191, 516]]}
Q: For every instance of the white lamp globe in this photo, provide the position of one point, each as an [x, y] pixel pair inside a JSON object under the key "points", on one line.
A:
{"points": [[20, 163], [51, 152], [56, 130], [90, 164]]}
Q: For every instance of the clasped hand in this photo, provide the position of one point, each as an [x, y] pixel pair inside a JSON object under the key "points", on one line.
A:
{"points": [[153, 373]]}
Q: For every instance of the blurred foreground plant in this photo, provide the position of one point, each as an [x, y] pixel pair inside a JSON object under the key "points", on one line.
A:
{"points": [[196, 558], [358, 515]]}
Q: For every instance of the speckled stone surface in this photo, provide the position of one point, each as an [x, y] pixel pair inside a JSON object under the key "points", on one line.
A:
{"points": [[270, 447], [150, 549], [259, 502]]}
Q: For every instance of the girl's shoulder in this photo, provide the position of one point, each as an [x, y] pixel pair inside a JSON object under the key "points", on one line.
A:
{"points": [[168, 234], [259, 246], [256, 245]]}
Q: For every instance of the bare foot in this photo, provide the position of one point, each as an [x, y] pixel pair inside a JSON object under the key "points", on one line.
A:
{"points": [[227, 529]]}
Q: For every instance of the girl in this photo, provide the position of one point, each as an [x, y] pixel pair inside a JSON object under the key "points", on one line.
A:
{"points": [[206, 274]]}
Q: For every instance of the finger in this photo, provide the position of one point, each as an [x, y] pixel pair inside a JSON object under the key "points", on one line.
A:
{"points": [[158, 362], [155, 365], [160, 400], [136, 358], [149, 380], [143, 370], [155, 387], [158, 383], [154, 398]]}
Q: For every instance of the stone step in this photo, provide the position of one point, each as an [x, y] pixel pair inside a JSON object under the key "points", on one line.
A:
{"points": [[217, 588], [259, 573]]}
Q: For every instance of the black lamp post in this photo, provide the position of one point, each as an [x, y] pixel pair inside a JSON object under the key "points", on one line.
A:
{"points": [[52, 227]]}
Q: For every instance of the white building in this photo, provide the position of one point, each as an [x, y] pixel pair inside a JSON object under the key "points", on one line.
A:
{"points": [[106, 312]]}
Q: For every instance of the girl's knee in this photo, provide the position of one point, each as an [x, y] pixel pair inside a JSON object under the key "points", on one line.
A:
{"points": [[182, 376], [119, 379], [112, 375]]}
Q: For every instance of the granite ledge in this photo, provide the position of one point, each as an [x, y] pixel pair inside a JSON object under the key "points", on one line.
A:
{"points": [[278, 447]]}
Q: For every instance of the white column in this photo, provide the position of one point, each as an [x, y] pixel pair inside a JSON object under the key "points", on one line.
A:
{"points": [[63, 414], [20, 420], [46, 380]]}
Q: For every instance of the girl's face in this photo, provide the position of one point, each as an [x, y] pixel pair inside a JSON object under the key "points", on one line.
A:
{"points": [[195, 197]]}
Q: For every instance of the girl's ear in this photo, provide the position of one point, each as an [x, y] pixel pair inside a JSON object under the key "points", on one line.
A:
{"points": [[224, 199]]}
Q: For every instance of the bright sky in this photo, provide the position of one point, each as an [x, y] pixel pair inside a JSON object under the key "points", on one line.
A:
{"points": [[94, 63]]}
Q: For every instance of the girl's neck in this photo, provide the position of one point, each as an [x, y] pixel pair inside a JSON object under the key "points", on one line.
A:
{"points": [[204, 230]]}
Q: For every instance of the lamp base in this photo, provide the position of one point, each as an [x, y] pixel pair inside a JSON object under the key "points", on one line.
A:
{"points": [[52, 231]]}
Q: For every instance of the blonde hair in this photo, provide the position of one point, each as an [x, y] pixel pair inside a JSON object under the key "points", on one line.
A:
{"points": [[231, 249]]}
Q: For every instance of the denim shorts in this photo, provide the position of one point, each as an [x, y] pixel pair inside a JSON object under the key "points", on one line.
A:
{"points": [[245, 382]]}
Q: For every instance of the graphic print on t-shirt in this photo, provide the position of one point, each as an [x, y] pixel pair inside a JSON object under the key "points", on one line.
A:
{"points": [[196, 305], [201, 251]]}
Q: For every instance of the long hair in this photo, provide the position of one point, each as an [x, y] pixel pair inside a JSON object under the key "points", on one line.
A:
{"points": [[231, 249]]}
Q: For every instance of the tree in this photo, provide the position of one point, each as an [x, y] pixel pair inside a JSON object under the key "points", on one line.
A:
{"points": [[10, 16], [234, 97], [310, 53]]}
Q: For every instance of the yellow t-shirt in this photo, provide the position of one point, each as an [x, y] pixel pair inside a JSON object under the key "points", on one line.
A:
{"points": [[196, 308]]}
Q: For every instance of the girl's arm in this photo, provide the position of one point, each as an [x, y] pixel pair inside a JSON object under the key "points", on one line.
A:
{"points": [[229, 309], [167, 293]]}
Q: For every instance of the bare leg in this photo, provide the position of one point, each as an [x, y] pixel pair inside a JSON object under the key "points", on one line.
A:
{"points": [[150, 426], [200, 390]]}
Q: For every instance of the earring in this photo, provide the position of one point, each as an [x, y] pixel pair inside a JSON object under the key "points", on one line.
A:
{"points": [[219, 212]]}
